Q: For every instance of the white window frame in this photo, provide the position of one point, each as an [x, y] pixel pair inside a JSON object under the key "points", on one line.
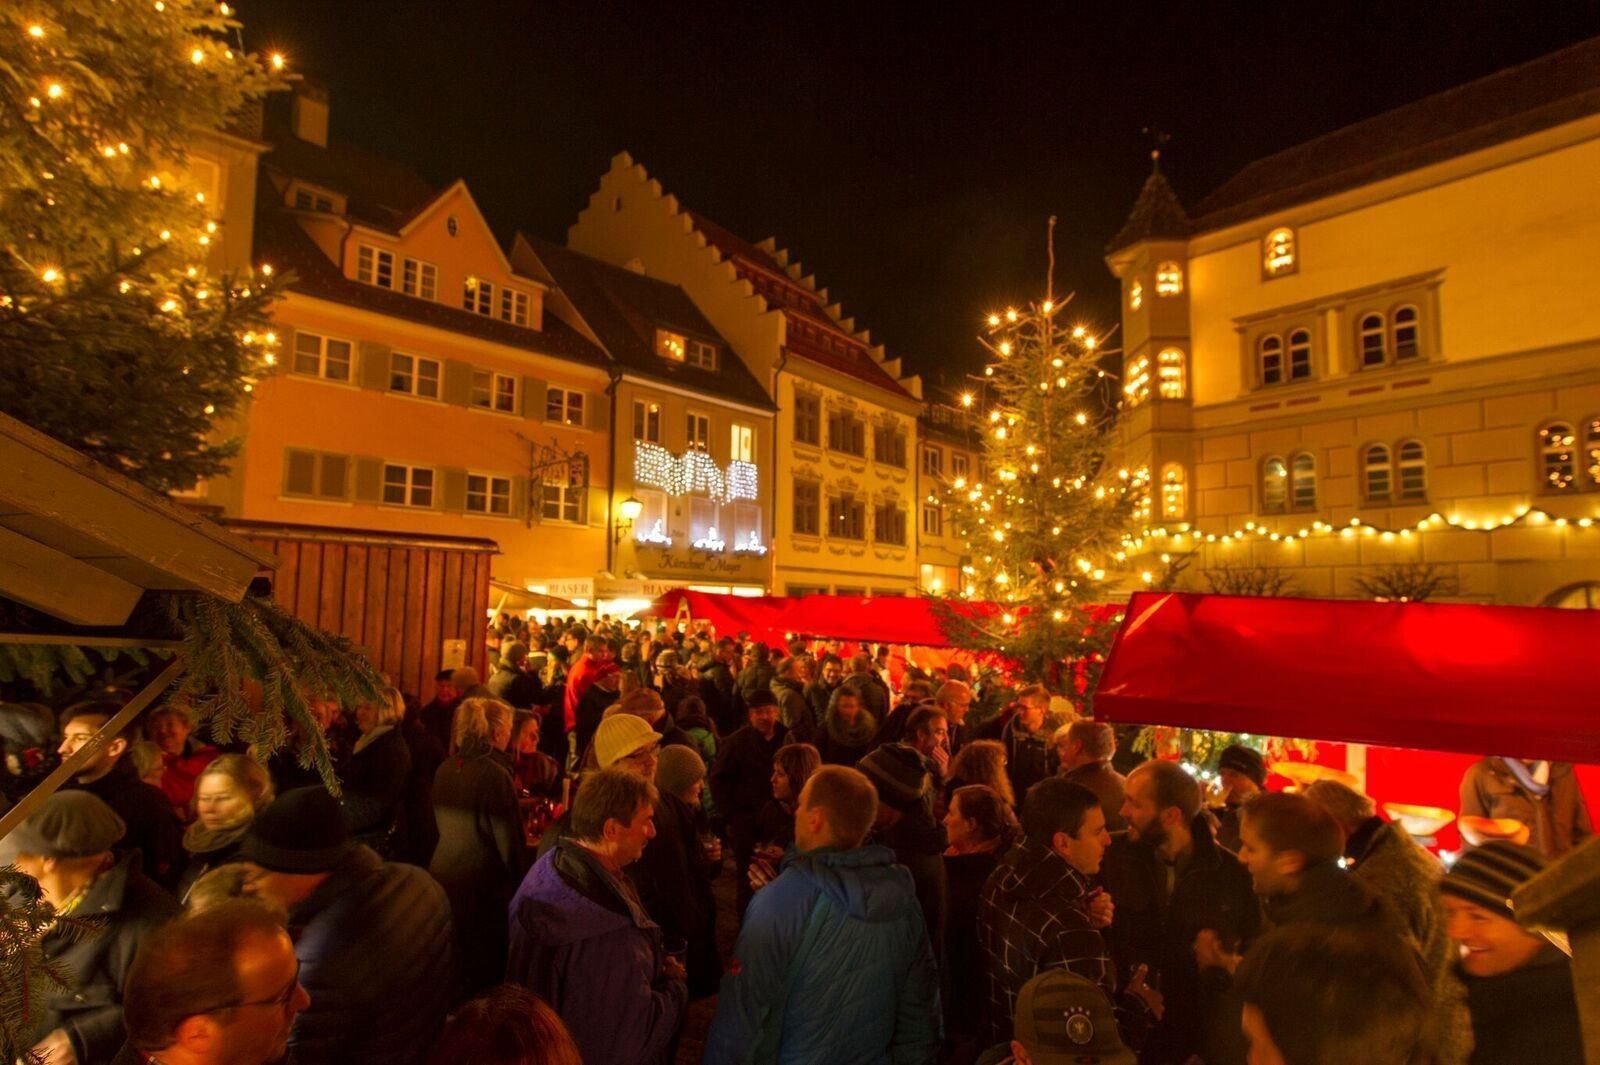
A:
{"points": [[1303, 482], [701, 354], [1377, 474], [323, 344], [372, 264], [569, 406], [742, 443], [1292, 352], [1411, 457], [1366, 333], [697, 431], [318, 472], [932, 520], [477, 296], [932, 461], [564, 497], [647, 420], [743, 519], [514, 305], [419, 278], [490, 489], [653, 515], [1270, 346], [1407, 350], [414, 377], [1274, 500], [491, 396], [415, 492], [959, 466]]}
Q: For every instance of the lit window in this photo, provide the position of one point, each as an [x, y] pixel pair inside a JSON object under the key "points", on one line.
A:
{"points": [[1373, 344], [742, 444], [1169, 279], [419, 279], [1299, 355], [704, 532], [1413, 472], [414, 375], [487, 494], [702, 355], [1556, 456], [933, 462], [847, 517], [699, 432], [477, 296], [1277, 252], [513, 306], [1171, 374], [494, 391], [322, 356], [1269, 351], [807, 507], [374, 266], [1591, 453], [889, 524], [647, 421], [1174, 492], [932, 520], [671, 345], [650, 526], [744, 520], [1406, 345], [1136, 389], [407, 486], [1274, 486], [1375, 465], [1135, 296], [563, 405], [1303, 482], [807, 419]]}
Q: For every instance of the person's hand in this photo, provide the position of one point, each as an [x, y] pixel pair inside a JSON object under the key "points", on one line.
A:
{"points": [[1102, 909], [762, 873], [941, 759], [713, 849], [56, 1049], [1209, 953], [1139, 989], [673, 969]]}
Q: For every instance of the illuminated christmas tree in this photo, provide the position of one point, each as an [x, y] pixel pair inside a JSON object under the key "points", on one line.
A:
{"points": [[1045, 523], [114, 336]]}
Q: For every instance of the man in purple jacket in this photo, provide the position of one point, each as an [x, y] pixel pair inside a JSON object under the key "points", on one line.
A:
{"points": [[581, 940]]}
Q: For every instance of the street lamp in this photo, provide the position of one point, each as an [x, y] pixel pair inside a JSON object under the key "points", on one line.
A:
{"points": [[629, 509]]}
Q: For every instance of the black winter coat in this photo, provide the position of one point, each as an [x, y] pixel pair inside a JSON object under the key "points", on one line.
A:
{"points": [[918, 842], [674, 883], [153, 829], [741, 778], [1529, 1014], [963, 989], [1210, 890], [479, 861], [720, 693], [90, 1010], [376, 957], [374, 787]]}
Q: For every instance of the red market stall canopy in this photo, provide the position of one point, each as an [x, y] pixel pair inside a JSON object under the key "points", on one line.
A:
{"points": [[1484, 680], [880, 619]]}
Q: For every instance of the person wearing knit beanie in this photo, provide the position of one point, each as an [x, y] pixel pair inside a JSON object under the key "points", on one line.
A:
{"points": [[1519, 986], [625, 737], [678, 770], [906, 825], [1245, 761], [1243, 774], [899, 773]]}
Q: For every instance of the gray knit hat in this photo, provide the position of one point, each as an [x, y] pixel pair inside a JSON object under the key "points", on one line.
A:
{"points": [[1489, 875], [677, 768], [898, 772]]}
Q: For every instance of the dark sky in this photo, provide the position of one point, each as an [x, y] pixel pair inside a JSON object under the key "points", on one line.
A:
{"points": [[908, 155]]}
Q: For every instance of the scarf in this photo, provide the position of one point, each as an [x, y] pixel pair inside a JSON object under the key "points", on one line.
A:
{"points": [[1533, 776], [198, 839], [366, 739], [858, 735]]}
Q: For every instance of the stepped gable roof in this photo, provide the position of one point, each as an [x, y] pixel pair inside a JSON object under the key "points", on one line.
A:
{"points": [[804, 302], [1546, 92], [378, 191], [281, 241], [624, 308], [1157, 214]]}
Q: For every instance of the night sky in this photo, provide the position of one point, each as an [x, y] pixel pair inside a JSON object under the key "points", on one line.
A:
{"points": [[908, 155]]}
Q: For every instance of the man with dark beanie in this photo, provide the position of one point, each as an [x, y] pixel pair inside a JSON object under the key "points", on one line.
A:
{"points": [[1243, 773], [1519, 987], [373, 937], [906, 825]]}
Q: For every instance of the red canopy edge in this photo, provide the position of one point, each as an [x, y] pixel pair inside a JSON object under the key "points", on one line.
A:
{"points": [[1486, 680], [880, 619]]}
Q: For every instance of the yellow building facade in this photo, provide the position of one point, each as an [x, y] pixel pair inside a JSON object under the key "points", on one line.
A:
{"points": [[949, 453], [1367, 351], [844, 435]]}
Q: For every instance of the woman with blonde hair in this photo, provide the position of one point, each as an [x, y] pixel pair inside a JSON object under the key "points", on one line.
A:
{"points": [[482, 853], [982, 762], [228, 794], [375, 779]]}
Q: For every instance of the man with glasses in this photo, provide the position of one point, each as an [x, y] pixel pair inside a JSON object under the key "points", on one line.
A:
{"points": [[219, 987]]}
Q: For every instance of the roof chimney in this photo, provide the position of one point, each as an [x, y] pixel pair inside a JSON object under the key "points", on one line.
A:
{"points": [[309, 113]]}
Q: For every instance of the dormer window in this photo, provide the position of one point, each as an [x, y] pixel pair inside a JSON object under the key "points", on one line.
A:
{"points": [[477, 296], [514, 306], [702, 355], [1278, 255], [671, 345], [310, 198], [1169, 279], [375, 266], [1135, 296]]}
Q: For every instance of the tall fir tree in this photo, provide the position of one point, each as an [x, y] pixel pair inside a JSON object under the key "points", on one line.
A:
{"points": [[1046, 524], [114, 337]]}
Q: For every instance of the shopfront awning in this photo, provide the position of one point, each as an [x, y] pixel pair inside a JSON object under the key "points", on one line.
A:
{"points": [[879, 619], [1475, 679]]}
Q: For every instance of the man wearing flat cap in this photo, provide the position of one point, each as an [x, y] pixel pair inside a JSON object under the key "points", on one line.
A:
{"points": [[67, 847]]}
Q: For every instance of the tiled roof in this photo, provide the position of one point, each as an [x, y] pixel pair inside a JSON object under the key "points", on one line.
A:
{"points": [[1156, 214], [805, 305], [624, 308], [379, 191], [1558, 88], [281, 241]]}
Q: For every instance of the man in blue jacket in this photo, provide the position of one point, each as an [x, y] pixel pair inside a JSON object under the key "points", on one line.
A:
{"points": [[833, 962]]}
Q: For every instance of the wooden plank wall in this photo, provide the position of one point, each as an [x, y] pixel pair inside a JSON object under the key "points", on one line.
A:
{"points": [[398, 604]]}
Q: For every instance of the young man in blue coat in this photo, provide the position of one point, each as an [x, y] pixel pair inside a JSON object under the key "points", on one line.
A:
{"points": [[833, 962]]}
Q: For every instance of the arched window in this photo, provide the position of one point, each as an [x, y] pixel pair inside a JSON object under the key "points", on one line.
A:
{"points": [[1277, 252], [1303, 482], [1406, 343], [1585, 595], [1174, 492], [1299, 355], [1274, 486], [1136, 386], [1135, 295], [1375, 466], [1169, 279], [1171, 374], [1270, 352], [1413, 472], [1591, 452], [1556, 456], [1374, 346]]}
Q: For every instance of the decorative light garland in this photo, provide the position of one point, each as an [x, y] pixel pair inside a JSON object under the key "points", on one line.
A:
{"points": [[693, 471]]}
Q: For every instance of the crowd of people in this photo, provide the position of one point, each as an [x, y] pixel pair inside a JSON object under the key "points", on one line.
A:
{"points": [[927, 866]]}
